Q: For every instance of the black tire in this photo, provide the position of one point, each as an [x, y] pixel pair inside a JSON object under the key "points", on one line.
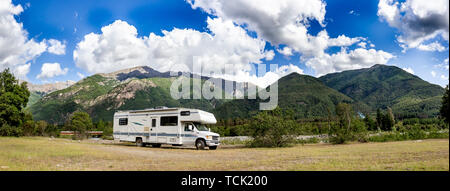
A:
{"points": [[212, 147], [156, 145], [139, 142], [200, 144]]}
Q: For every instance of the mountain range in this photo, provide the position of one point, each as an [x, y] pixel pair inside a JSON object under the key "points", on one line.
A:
{"points": [[136, 88], [365, 89], [37, 91], [384, 86]]}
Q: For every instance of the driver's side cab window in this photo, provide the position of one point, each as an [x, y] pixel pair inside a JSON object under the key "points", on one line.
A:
{"points": [[188, 127]]}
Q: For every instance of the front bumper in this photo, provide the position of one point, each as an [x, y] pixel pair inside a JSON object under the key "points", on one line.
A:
{"points": [[212, 142]]}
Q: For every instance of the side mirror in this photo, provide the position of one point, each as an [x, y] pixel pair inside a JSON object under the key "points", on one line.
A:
{"points": [[209, 129], [190, 127]]}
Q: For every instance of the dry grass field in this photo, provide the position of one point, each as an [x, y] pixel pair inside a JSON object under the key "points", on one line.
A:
{"points": [[38, 153]]}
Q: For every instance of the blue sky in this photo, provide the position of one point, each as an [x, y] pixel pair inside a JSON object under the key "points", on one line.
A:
{"points": [[70, 21]]}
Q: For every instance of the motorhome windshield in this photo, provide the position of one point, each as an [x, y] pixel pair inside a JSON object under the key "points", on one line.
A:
{"points": [[201, 127]]}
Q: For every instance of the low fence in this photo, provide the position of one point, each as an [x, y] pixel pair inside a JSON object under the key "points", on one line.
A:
{"points": [[91, 133]]}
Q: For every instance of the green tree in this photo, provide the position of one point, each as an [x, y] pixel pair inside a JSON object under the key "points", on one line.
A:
{"points": [[345, 114], [388, 120], [340, 132], [40, 128], [28, 125], [379, 119], [100, 126], [370, 123], [348, 128], [272, 129], [13, 100], [80, 122], [445, 106], [390, 116]]}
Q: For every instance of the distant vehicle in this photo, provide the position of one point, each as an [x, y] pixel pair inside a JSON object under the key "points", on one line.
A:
{"points": [[162, 125]]}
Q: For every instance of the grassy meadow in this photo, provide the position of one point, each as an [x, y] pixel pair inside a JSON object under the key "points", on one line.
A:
{"points": [[39, 153]]}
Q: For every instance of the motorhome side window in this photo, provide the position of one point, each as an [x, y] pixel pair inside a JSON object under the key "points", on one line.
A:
{"points": [[153, 122], [123, 121], [188, 127], [169, 121]]}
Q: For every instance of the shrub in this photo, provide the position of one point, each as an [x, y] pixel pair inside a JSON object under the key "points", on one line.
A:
{"points": [[235, 141], [272, 129], [40, 127], [409, 133], [80, 122], [348, 127], [308, 140], [28, 128], [7, 130]]}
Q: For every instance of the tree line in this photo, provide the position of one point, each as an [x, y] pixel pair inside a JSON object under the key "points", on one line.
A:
{"points": [[16, 121]]}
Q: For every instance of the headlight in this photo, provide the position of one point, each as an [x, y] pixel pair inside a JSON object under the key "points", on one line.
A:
{"points": [[208, 137]]}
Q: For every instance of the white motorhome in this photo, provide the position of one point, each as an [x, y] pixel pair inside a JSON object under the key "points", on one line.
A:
{"points": [[162, 125]]}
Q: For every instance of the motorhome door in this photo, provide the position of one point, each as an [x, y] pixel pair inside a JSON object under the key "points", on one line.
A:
{"points": [[188, 133], [153, 130]]}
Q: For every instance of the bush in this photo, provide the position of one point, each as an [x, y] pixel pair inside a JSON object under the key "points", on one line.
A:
{"points": [[235, 141], [106, 127], [409, 133], [7, 130], [28, 128], [52, 130], [348, 127], [272, 129], [311, 140], [40, 127], [80, 122]]}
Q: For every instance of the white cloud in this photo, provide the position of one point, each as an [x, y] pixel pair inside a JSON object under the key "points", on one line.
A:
{"points": [[442, 65], [348, 60], [22, 70], [283, 22], [15, 47], [80, 75], [433, 73], [56, 47], [119, 47], [435, 46], [272, 76], [353, 12], [409, 70], [362, 44], [279, 22], [285, 51], [286, 22], [266, 79], [417, 20], [50, 70], [443, 77]]}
